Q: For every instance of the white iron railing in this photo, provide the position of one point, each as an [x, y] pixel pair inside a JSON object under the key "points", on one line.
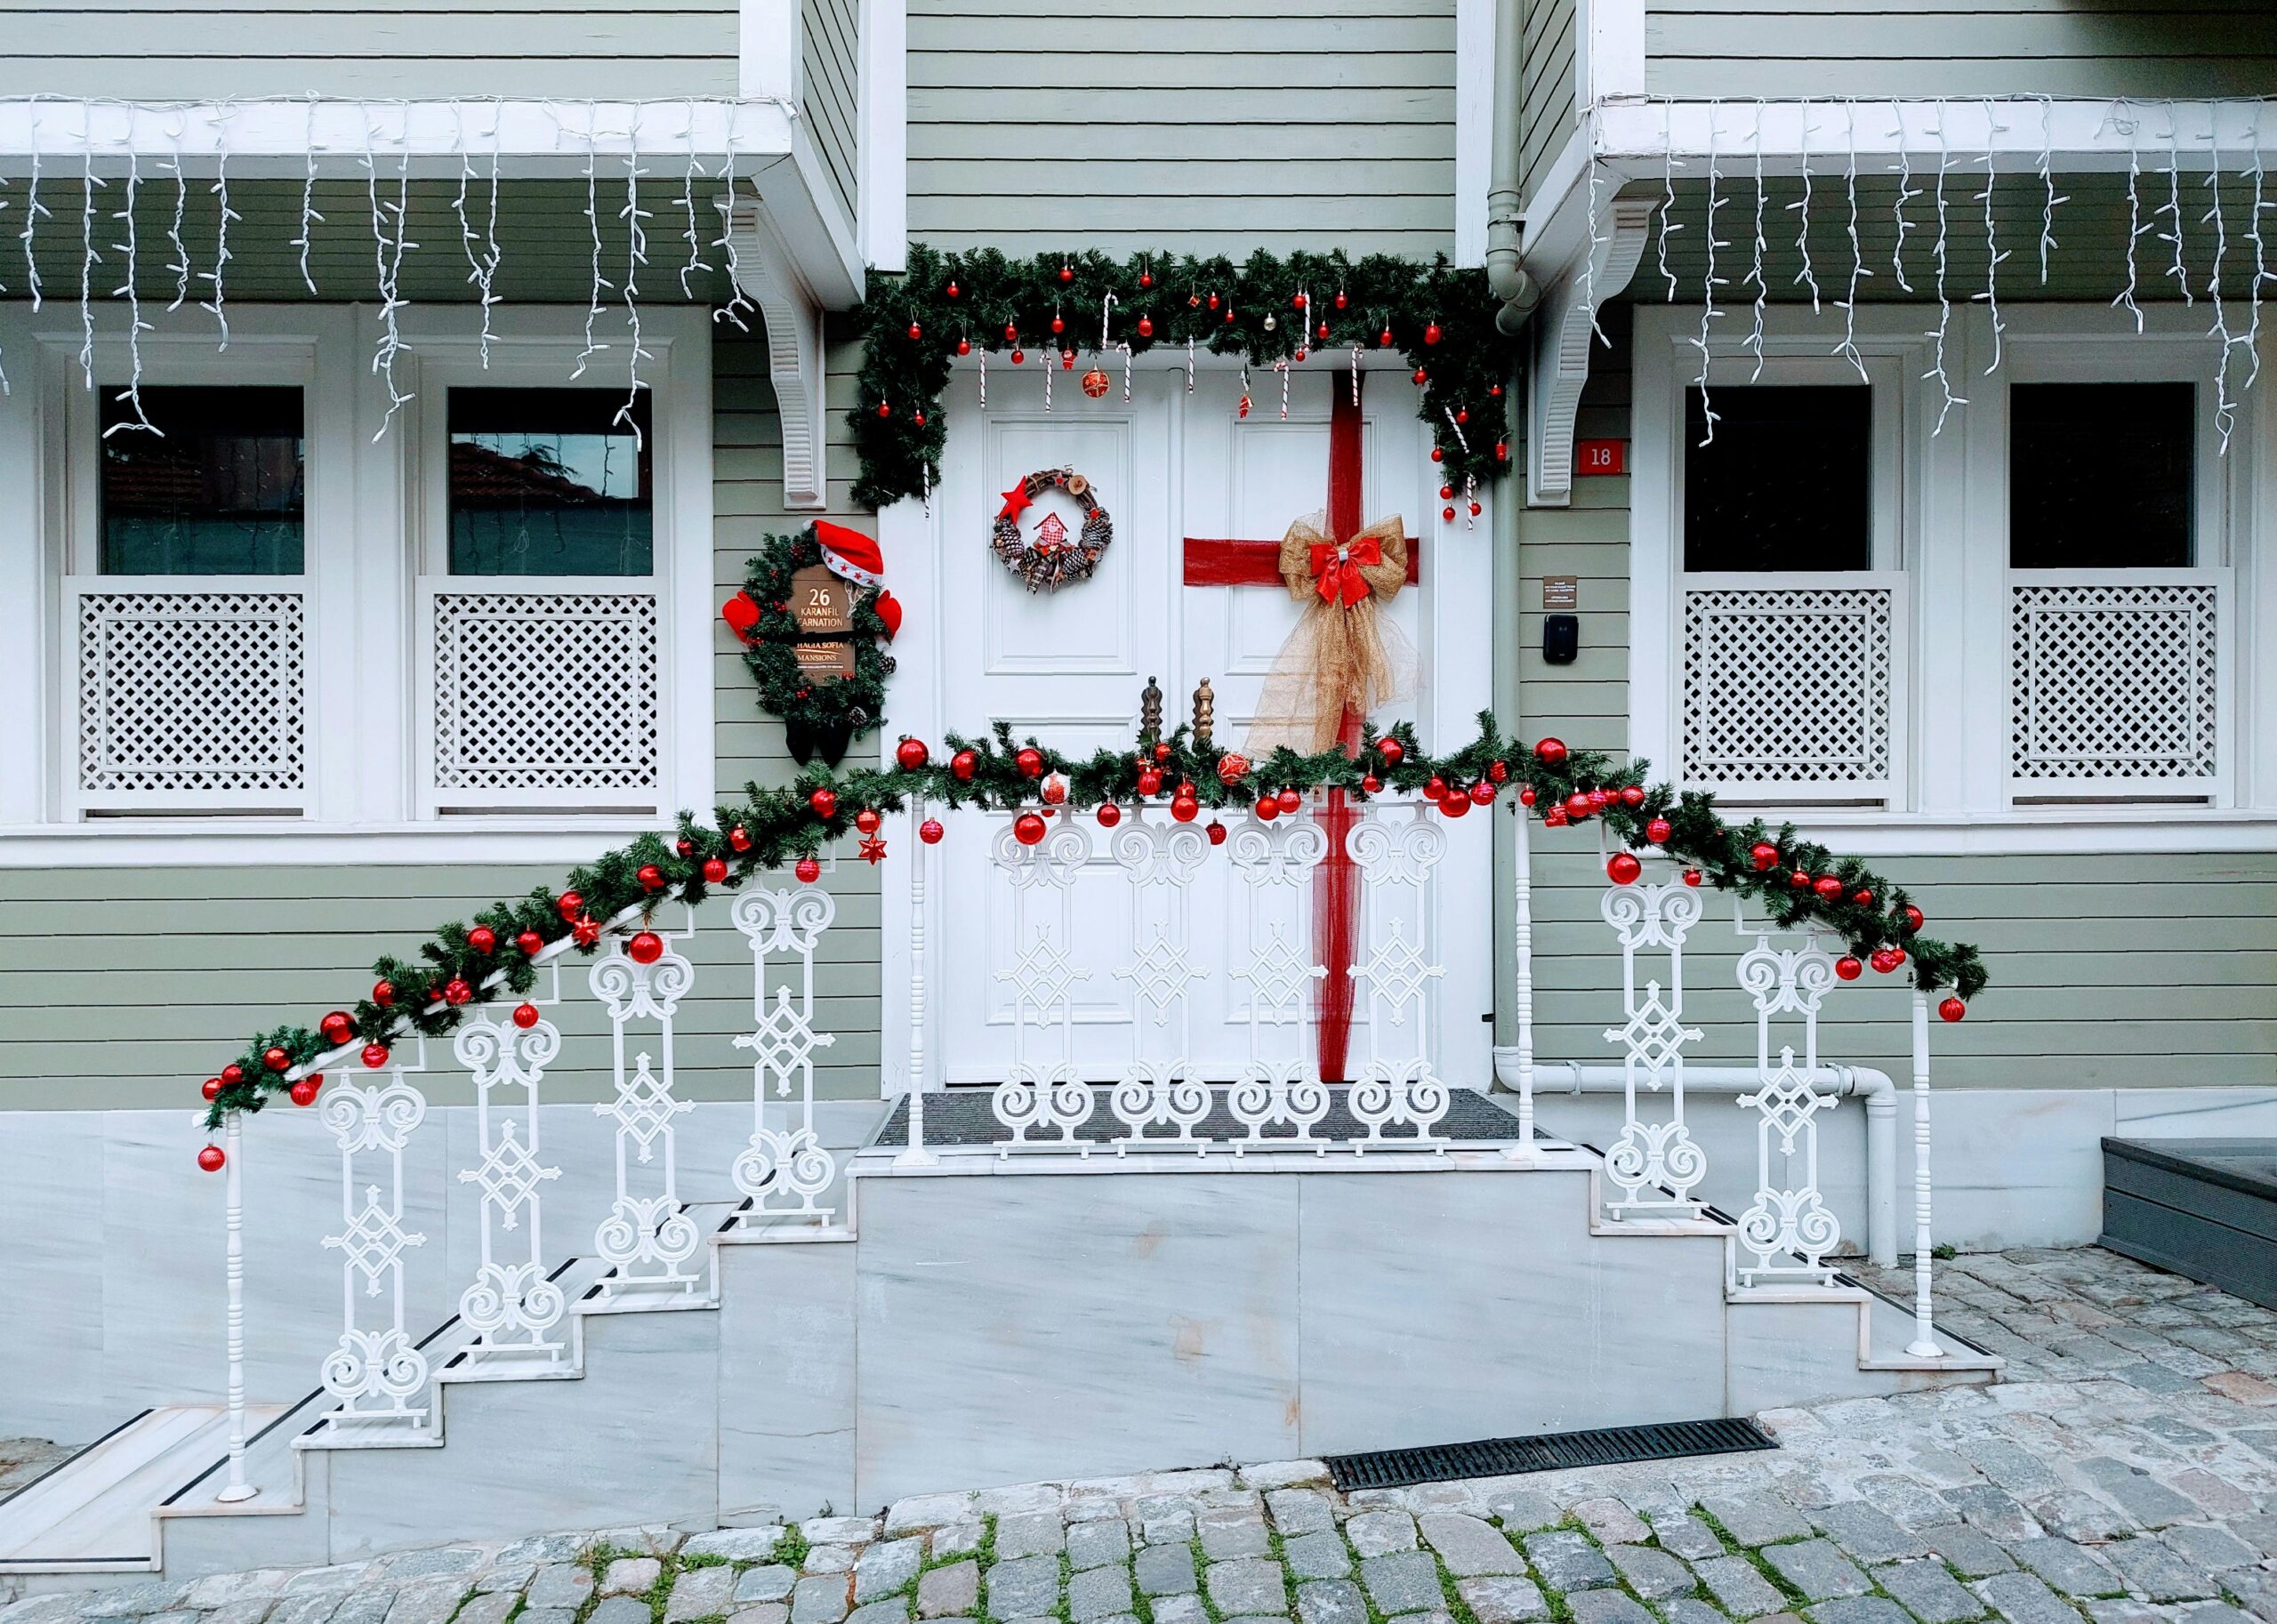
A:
{"points": [[1263, 1096]]}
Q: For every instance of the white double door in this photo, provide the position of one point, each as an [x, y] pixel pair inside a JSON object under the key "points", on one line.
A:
{"points": [[1068, 666]]}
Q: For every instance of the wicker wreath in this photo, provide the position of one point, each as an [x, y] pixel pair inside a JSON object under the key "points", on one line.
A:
{"points": [[1053, 558]]}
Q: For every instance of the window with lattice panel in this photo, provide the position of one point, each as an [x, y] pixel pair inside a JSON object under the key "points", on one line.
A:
{"points": [[189, 700], [1789, 690], [544, 697], [2114, 684]]}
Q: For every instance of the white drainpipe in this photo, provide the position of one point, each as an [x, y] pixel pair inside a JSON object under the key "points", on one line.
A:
{"points": [[1872, 1086]]}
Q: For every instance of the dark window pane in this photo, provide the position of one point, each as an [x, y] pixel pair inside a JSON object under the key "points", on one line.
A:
{"points": [[216, 491], [1786, 484], [549, 482], [2100, 475]]}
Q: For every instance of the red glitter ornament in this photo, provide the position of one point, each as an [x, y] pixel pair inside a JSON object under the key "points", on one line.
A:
{"points": [[808, 869], [374, 1056], [824, 802], [1482, 793], [1951, 1009], [715, 870], [304, 1092], [1658, 830], [1290, 800], [931, 832], [526, 1015], [1829, 888], [212, 1158], [1217, 833], [1109, 815]]}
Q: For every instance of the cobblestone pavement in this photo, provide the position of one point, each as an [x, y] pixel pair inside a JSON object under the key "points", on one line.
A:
{"points": [[2127, 1475], [21, 1459]]}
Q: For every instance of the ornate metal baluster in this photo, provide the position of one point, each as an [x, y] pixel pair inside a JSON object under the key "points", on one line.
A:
{"points": [[1661, 1157], [1036, 1093], [646, 1237], [1275, 862], [783, 1169], [1398, 1086], [1161, 860], [1787, 1219], [375, 1371], [512, 1306]]}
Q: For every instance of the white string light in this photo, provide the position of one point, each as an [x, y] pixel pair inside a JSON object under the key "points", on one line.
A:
{"points": [[1755, 267], [2225, 408], [2131, 127], [1849, 345], [2048, 187], [5, 389], [458, 210], [308, 215], [636, 256], [384, 264], [2260, 256], [686, 200], [1807, 276], [1708, 311], [1906, 192], [1667, 191], [1598, 240], [88, 257], [594, 346], [181, 263], [218, 308], [1993, 253], [2172, 209], [491, 253], [33, 209], [135, 325], [1944, 304], [738, 301]]}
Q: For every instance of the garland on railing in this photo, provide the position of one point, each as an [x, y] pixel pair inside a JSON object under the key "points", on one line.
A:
{"points": [[1794, 881], [1266, 309]]}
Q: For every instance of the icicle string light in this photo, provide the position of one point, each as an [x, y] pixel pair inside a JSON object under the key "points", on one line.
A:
{"points": [[1598, 240], [1667, 191], [1755, 266], [387, 260], [309, 218], [1906, 193], [687, 201], [88, 258], [218, 307], [738, 301], [1708, 311], [2050, 200], [1937, 370], [179, 264], [636, 256], [1808, 276], [136, 327], [2260, 256], [2131, 127], [2172, 208], [1993, 253], [33, 210], [594, 346], [1848, 348], [2224, 409]]}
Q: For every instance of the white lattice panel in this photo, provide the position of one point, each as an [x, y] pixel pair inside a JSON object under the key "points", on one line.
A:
{"points": [[2115, 682], [542, 696], [189, 698], [1791, 690]]}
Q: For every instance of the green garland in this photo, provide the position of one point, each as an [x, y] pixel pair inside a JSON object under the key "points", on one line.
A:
{"points": [[771, 828], [854, 704], [1441, 319]]}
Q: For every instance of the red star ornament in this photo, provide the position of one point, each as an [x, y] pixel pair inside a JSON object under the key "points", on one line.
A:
{"points": [[1016, 500], [874, 850]]}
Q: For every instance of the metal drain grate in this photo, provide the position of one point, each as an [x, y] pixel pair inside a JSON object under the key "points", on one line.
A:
{"points": [[1394, 1468]]}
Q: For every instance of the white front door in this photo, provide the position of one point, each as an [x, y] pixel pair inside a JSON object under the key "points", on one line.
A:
{"points": [[1067, 667]]}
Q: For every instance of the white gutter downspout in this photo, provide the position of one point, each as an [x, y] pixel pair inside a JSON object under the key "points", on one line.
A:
{"points": [[1872, 1086], [1506, 276]]}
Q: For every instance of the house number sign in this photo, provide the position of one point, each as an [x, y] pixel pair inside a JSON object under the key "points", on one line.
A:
{"points": [[824, 607]]}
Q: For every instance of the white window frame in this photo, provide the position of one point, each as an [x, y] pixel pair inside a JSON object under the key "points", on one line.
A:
{"points": [[1950, 540], [373, 501]]}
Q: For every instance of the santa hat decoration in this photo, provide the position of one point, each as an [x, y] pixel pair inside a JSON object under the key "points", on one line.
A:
{"points": [[849, 554]]}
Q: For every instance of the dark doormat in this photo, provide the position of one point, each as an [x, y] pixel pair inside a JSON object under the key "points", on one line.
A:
{"points": [[1397, 1468]]}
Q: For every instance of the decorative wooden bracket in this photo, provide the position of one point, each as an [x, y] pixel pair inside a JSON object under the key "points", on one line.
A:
{"points": [[769, 275], [1564, 332]]}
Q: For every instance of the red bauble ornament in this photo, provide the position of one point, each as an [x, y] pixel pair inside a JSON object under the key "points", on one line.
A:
{"points": [[1018, 356], [867, 820], [1146, 279], [526, 1015], [952, 289], [1912, 917], [1848, 967], [824, 802], [1457, 805], [646, 948], [1829, 888], [212, 1088], [1498, 772], [1217, 833], [1799, 879], [1763, 855], [651, 877], [1577, 806], [1433, 787], [275, 1059], [911, 754], [1881, 960], [1632, 797], [884, 410], [1658, 830], [1370, 783], [530, 942], [456, 992], [483, 940], [1550, 751], [1232, 768], [931, 832], [1599, 800], [963, 765], [915, 331], [1951, 1009], [1421, 377], [374, 1056], [1145, 326], [739, 838], [1897, 957], [1447, 514], [1150, 782], [382, 994], [1059, 325], [304, 1092], [569, 905], [1383, 339], [212, 1158], [1501, 451], [1012, 333], [1269, 808], [715, 870], [1623, 868], [1109, 815], [336, 1027], [1431, 333], [1067, 273], [1053, 790], [1028, 829], [1527, 795], [1862, 898], [1692, 877], [1482, 793], [964, 346], [1290, 800], [1392, 751], [1030, 761], [1185, 808], [1162, 752]]}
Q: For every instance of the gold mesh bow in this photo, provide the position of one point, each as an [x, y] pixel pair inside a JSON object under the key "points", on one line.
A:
{"points": [[1341, 655]]}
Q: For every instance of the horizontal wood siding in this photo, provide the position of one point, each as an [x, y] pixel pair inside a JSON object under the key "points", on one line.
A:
{"points": [[1183, 127], [126, 987], [415, 48], [1548, 118], [1874, 48], [830, 46], [2143, 971]]}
